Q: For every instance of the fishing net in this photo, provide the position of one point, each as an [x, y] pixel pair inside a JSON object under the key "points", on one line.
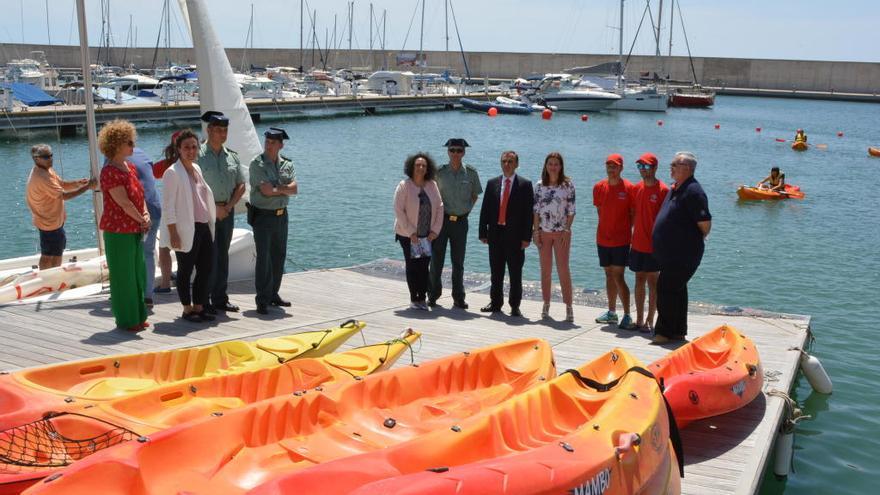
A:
{"points": [[41, 444]]}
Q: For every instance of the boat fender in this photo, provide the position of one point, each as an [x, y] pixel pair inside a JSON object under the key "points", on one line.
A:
{"points": [[784, 448], [812, 368]]}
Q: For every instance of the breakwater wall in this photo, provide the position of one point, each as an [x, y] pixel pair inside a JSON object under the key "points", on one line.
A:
{"points": [[800, 75]]}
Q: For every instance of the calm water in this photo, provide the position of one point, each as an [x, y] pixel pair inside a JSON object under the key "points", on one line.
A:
{"points": [[818, 256]]}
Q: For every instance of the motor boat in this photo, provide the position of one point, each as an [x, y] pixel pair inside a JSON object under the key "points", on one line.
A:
{"points": [[569, 94]]}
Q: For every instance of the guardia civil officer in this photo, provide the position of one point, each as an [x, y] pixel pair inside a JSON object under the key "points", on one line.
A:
{"points": [[223, 172], [459, 188], [272, 181]]}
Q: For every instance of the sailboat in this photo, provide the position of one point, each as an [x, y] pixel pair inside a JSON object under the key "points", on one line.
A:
{"points": [[643, 98], [22, 282]]}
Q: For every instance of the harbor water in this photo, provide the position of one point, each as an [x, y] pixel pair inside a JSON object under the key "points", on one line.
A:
{"points": [[818, 256]]}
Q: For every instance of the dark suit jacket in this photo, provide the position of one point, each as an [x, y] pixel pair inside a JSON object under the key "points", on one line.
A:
{"points": [[519, 210]]}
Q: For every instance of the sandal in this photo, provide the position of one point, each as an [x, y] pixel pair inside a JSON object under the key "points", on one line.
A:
{"points": [[192, 317], [134, 328]]}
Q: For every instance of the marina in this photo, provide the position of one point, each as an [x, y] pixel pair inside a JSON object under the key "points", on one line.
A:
{"points": [[723, 455]]}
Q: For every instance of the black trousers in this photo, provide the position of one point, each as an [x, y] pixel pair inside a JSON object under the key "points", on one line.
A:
{"points": [[507, 253], [270, 238], [416, 272], [200, 258], [672, 300], [220, 273], [455, 234]]}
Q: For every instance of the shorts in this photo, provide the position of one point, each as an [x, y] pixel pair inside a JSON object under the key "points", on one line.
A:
{"points": [[643, 262], [613, 256], [53, 242]]}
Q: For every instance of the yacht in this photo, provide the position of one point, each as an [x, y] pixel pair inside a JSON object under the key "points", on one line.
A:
{"points": [[570, 94]]}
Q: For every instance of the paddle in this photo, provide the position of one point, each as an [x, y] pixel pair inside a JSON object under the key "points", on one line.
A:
{"points": [[820, 146]]}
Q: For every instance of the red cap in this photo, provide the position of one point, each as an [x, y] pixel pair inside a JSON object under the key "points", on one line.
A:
{"points": [[614, 158], [648, 159]]}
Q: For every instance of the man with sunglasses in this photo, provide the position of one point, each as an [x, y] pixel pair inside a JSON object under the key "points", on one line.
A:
{"points": [[46, 194], [679, 237], [459, 188], [647, 196]]}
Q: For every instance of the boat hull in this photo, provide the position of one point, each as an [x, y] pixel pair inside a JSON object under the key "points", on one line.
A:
{"points": [[874, 152], [484, 106], [799, 146], [714, 374], [754, 193], [691, 101], [577, 103], [652, 102]]}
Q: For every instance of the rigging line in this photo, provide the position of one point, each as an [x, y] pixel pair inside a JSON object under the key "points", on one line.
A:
{"points": [[411, 20], [688, 45], [636, 37], [467, 71]]}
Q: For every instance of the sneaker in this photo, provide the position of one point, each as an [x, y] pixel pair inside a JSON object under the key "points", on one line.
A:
{"points": [[569, 314], [162, 290], [607, 317], [626, 323], [415, 305]]}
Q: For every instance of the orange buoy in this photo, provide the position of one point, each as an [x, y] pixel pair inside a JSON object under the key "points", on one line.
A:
{"points": [[660, 122], [547, 114], [585, 117], [492, 112], [757, 129], [717, 126]]}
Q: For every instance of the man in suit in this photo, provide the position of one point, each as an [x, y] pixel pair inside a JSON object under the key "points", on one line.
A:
{"points": [[506, 226]]}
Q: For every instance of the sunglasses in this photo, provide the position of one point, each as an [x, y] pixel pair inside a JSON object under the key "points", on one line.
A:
{"points": [[456, 150], [644, 166], [45, 157]]}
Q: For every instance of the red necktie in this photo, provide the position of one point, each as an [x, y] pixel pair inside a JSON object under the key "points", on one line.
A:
{"points": [[505, 195]]}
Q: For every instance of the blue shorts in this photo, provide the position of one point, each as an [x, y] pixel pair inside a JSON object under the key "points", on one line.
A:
{"points": [[614, 256], [643, 262], [53, 242]]}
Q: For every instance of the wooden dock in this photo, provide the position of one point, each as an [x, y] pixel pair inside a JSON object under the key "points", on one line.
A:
{"points": [[724, 455], [68, 118]]}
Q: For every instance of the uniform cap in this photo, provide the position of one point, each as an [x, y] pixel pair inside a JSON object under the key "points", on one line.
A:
{"points": [[614, 158], [215, 118], [648, 159], [276, 133], [458, 142]]}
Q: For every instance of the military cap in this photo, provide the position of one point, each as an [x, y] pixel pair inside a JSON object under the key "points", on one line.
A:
{"points": [[215, 118], [459, 142], [276, 133]]}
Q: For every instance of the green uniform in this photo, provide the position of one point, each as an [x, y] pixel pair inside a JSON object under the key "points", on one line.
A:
{"points": [[270, 225], [458, 190], [222, 172]]}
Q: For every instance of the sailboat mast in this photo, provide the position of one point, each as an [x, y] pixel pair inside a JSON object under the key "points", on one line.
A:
{"points": [[671, 21], [421, 42], [384, 53], [620, 51], [659, 23], [301, 35], [446, 10], [350, 26], [90, 115], [371, 35]]}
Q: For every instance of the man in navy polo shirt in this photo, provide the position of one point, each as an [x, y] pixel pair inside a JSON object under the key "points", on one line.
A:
{"points": [[679, 233]]}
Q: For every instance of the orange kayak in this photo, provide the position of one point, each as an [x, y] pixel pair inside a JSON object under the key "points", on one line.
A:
{"points": [[36, 450], [874, 151], [246, 447], [799, 146], [755, 193], [714, 374], [27, 395], [573, 434]]}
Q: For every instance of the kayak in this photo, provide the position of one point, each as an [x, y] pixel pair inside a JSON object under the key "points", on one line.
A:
{"points": [[748, 192], [574, 434], [799, 146], [714, 374], [484, 106], [874, 151], [27, 395], [28, 455], [248, 446]]}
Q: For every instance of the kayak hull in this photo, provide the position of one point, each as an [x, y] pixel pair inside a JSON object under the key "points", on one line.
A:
{"points": [[714, 374], [509, 449], [874, 152], [754, 193], [799, 146]]}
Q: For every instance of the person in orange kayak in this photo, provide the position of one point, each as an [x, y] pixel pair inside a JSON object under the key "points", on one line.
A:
{"points": [[773, 182], [800, 136]]}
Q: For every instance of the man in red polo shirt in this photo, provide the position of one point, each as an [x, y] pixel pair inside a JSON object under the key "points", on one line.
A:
{"points": [[613, 202], [647, 197]]}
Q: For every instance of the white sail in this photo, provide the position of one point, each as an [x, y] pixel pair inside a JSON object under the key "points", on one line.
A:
{"points": [[217, 87]]}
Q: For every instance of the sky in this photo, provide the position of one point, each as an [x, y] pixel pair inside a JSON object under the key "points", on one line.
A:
{"points": [[771, 29]]}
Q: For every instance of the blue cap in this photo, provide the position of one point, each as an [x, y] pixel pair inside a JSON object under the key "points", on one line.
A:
{"points": [[276, 133], [215, 118], [457, 142]]}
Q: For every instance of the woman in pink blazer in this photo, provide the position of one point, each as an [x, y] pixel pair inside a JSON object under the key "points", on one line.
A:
{"points": [[418, 218]]}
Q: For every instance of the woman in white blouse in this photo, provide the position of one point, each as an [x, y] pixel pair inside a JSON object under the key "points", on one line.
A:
{"points": [[553, 215], [188, 214]]}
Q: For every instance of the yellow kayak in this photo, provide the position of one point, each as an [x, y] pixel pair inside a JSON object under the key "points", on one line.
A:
{"points": [[33, 454], [26, 395]]}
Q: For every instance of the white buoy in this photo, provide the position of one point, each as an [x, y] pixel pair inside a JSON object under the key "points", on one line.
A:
{"points": [[783, 452], [815, 373]]}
